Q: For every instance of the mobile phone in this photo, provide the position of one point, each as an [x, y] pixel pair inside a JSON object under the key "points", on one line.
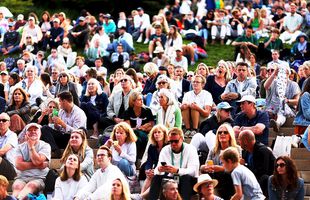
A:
{"points": [[163, 163]]}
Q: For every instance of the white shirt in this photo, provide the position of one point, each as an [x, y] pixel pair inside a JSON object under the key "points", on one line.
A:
{"points": [[204, 98], [183, 63], [79, 72], [145, 19], [66, 190], [100, 184], [9, 138]]}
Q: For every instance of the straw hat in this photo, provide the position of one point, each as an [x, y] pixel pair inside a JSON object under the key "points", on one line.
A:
{"points": [[204, 178]]}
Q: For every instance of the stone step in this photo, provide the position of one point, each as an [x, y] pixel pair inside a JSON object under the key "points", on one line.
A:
{"points": [[300, 154], [302, 165], [284, 131], [306, 197], [305, 175]]}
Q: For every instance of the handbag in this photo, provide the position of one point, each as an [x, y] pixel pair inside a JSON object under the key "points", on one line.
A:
{"points": [[282, 146]]}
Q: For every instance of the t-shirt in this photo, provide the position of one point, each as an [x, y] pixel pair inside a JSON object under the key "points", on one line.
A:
{"points": [[260, 117], [215, 89], [23, 151], [145, 117], [204, 98], [242, 176]]}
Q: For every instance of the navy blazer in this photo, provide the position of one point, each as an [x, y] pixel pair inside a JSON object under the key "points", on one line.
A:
{"points": [[101, 103]]}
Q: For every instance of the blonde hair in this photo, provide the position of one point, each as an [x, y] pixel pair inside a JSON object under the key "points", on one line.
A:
{"points": [[81, 152], [125, 190], [232, 140], [156, 128], [133, 97], [97, 84], [225, 65], [151, 68], [131, 137]]}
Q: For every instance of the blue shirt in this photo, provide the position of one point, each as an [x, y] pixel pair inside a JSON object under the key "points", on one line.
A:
{"points": [[260, 117]]}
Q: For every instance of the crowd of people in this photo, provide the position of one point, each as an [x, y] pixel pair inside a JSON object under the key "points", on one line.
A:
{"points": [[52, 95]]}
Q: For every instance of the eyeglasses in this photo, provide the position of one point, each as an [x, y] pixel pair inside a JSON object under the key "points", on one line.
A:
{"points": [[51, 107], [270, 70], [54, 72], [101, 155], [3, 120], [53, 51], [281, 165], [223, 132], [174, 141], [124, 80], [162, 83]]}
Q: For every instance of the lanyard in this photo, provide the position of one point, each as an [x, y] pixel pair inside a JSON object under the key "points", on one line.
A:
{"points": [[181, 160]]}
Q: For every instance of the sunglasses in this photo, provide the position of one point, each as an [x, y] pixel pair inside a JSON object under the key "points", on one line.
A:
{"points": [[52, 107], [241, 70], [196, 82], [65, 43], [3, 120], [223, 132], [28, 37], [123, 80], [162, 83], [281, 165], [101, 155], [174, 141], [270, 70], [189, 75], [61, 76], [54, 72]]}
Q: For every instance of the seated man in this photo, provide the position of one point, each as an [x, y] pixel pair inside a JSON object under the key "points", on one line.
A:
{"points": [[157, 40], [79, 34], [196, 106], [258, 158], [282, 96], [177, 161], [252, 119], [248, 39], [8, 142], [239, 87], [120, 58], [70, 117], [118, 103], [54, 36], [10, 40], [101, 181], [32, 161]]}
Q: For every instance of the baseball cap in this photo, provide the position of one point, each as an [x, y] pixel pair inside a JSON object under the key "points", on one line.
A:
{"points": [[56, 20], [4, 72], [20, 17], [81, 18], [31, 18], [223, 106], [249, 98], [179, 49], [139, 8], [32, 125]]}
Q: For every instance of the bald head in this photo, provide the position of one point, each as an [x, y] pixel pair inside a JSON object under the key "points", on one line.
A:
{"points": [[247, 140]]}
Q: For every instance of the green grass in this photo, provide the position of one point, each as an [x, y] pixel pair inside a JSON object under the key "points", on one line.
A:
{"points": [[215, 53]]}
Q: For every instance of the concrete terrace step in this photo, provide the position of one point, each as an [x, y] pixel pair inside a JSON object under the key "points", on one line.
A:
{"points": [[307, 189], [306, 197], [284, 131], [305, 175], [302, 165], [300, 154]]}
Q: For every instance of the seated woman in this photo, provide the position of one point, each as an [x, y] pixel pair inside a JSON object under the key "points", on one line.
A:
{"points": [[301, 49], [19, 110], [30, 45], [64, 84], [216, 83], [140, 118], [120, 190], [94, 103], [65, 50], [202, 140], [285, 183], [158, 138], [71, 179], [169, 113], [78, 145], [45, 117], [170, 191], [302, 118], [162, 82], [123, 147], [225, 137]]}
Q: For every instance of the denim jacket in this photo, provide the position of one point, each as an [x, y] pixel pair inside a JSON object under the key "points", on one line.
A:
{"points": [[249, 87], [303, 115], [275, 193]]}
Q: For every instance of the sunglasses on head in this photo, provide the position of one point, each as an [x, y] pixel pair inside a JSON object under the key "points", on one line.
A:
{"points": [[281, 165]]}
